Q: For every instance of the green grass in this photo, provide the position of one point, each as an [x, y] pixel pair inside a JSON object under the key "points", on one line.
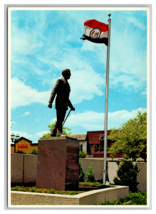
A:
{"points": [[43, 190], [94, 185], [83, 187]]}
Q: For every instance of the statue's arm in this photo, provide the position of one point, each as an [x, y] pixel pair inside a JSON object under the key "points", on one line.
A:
{"points": [[70, 105], [53, 93]]}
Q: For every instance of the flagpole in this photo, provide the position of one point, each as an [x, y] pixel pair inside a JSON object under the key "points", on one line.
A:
{"points": [[106, 101]]}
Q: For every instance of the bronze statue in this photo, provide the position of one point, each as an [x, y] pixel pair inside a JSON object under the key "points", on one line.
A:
{"points": [[61, 91]]}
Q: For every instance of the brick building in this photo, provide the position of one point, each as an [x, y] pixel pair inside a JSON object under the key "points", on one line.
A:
{"points": [[23, 144], [91, 143], [95, 145]]}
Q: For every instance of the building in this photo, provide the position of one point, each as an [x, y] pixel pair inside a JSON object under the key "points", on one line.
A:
{"points": [[23, 144], [95, 144], [92, 143], [82, 138]]}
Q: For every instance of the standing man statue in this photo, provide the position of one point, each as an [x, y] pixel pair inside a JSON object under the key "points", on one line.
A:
{"points": [[61, 91]]}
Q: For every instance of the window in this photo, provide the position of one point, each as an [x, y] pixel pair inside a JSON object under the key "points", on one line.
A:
{"points": [[80, 147], [101, 147], [91, 147], [97, 148], [108, 144]]}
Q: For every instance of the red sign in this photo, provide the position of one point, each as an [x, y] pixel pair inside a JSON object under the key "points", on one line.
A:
{"points": [[22, 145]]}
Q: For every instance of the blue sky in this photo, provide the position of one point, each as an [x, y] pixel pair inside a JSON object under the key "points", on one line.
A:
{"points": [[44, 42]]}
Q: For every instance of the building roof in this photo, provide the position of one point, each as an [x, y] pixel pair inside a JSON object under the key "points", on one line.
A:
{"points": [[108, 131], [79, 136], [21, 138]]}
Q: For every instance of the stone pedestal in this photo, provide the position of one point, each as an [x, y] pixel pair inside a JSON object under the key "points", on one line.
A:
{"points": [[58, 163]]}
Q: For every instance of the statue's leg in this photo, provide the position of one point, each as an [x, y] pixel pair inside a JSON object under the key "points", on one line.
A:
{"points": [[60, 118], [54, 130]]}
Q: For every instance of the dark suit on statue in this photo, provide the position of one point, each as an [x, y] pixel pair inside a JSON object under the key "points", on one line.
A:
{"points": [[61, 91]]}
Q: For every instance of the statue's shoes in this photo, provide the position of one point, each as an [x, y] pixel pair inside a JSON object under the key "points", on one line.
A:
{"points": [[53, 135], [60, 134]]}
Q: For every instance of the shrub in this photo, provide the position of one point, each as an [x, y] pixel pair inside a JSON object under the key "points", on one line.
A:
{"points": [[39, 190], [108, 202], [82, 154], [32, 189], [90, 176], [81, 173], [20, 151], [33, 152], [127, 175], [137, 198]]}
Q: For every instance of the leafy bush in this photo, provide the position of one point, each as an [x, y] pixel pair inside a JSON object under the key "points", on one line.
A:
{"points": [[108, 202], [33, 152], [127, 175], [20, 151], [39, 190], [14, 189], [81, 173], [32, 189], [82, 154], [137, 198], [90, 176]]}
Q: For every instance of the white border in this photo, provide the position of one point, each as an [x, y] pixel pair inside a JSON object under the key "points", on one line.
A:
{"points": [[146, 8]]}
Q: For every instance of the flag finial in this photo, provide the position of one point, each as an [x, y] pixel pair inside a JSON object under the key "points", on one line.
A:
{"points": [[109, 16]]}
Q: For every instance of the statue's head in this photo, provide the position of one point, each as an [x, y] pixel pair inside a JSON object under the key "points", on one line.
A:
{"points": [[66, 73]]}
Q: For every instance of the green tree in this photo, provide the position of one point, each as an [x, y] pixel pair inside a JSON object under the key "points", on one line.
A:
{"points": [[127, 175], [82, 154], [64, 130], [33, 152], [131, 139], [90, 175]]}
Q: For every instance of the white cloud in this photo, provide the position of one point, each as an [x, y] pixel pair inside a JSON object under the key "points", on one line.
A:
{"points": [[136, 23], [22, 94], [24, 42], [53, 120], [115, 119], [23, 134], [85, 84], [26, 113], [95, 121], [127, 62], [144, 92], [89, 46], [40, 134], [128, 58], [90, 121]]}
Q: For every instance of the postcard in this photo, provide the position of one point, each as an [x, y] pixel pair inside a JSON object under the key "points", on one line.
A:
{"points": [[78, 107]]}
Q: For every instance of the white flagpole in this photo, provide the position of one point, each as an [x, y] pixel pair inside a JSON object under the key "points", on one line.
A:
{"points": [[106, 101]]}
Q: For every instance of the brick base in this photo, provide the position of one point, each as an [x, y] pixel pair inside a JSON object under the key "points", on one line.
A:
{"points": [[58, 163]]}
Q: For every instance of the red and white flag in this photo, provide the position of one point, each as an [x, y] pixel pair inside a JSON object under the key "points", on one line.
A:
{"points": [[95, 31]]}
